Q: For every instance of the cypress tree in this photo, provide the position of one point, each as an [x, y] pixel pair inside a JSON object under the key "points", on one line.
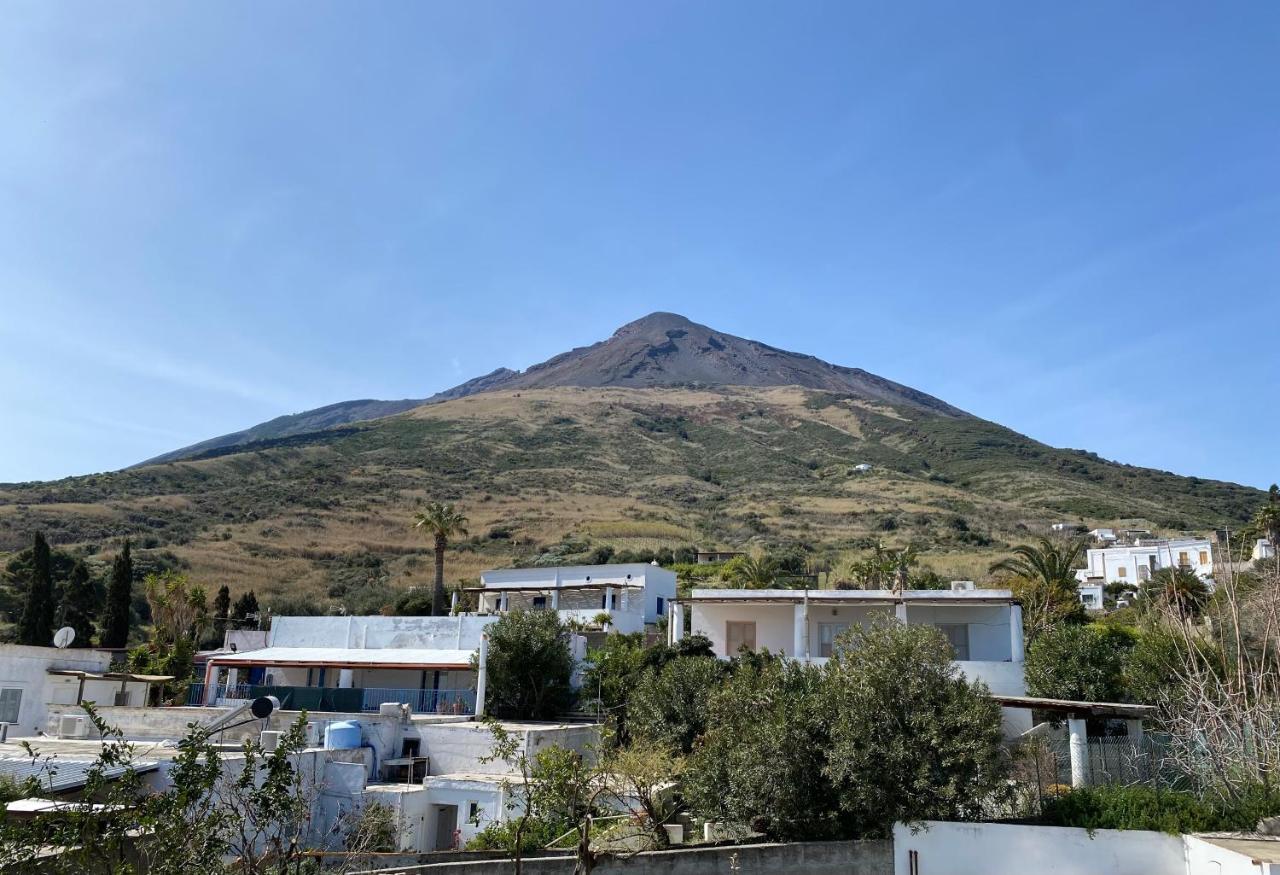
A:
{"points": [[115, 619], [221, 610], [245, 605], [79, 605], [36, 626]]}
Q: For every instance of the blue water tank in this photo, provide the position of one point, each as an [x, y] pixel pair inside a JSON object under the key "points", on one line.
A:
{"points": [[342, 735]]}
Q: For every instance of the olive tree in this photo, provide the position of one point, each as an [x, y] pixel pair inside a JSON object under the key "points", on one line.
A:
{"points": [[529, 667]]}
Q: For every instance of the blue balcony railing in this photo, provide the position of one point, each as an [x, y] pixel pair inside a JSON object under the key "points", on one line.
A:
{"points": [[340, 698]]}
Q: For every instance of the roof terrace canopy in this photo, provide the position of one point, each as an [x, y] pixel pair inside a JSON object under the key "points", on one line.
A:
{"points": [[347, 657]]}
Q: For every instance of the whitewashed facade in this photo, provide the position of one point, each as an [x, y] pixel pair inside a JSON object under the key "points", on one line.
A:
{"points": [[1134, 564]]}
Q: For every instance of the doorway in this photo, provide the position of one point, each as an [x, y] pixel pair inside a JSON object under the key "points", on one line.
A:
{"points": [[446, 825]]}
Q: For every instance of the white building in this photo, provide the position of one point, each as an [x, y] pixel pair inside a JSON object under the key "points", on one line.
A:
{"points": [[632, 594], [983, 626], [355, 664], [33, 678], [1091, 595], [1135, 563], [1104, 535], [1262, 549]]}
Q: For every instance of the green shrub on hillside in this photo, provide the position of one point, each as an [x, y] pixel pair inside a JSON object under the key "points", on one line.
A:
{"points": [[1170, 811]]}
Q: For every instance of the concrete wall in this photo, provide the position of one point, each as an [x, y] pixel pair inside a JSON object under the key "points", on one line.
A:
{"points": [[375, 633], [27, 669], [775, 625], [808, 858], [1206, 858], [1009, 849]]}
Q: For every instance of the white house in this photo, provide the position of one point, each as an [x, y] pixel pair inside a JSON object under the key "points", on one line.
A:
{"points": [[634, 595], [33, 678], [983, 626], [1091, 595], [1104, 535], [1135, 563], [1262, 549]]}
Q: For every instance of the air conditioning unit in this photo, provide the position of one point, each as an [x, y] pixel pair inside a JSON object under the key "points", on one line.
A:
{"points": [[963, 586], [269, 740], [313, 734], [73, 726]]}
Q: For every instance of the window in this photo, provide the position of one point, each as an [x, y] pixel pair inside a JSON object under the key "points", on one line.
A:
{"points": [[539, 603], [1204, 557], [1122, 572], [827, 635], [473, 812], [10, 704], [958, 636], [1144, 572], [1183, 561], [662, 606], [738, 636]]}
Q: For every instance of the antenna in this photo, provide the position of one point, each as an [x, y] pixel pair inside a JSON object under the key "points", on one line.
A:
{"points": [[63, 637]]}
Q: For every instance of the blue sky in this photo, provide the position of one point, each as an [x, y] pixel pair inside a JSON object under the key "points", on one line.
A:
{"points": [[1062, 219]]}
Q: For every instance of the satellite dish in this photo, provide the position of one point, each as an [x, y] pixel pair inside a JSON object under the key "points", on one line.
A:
{"points": [[63, 637], [263, 706]]}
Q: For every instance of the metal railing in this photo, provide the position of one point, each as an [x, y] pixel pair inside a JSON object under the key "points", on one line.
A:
{"points": [[340, 699]]}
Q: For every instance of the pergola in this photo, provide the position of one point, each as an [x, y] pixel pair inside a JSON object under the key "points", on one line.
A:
{"points": [[124, 677], [1076, 713]]}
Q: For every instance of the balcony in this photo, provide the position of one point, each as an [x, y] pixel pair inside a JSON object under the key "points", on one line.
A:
{"points": [[347, 700]]}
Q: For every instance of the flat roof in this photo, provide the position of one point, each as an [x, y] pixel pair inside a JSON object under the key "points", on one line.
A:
{"points": [[1258, 848], [547, 587], [348, 657], [1067, 706], [60, 775], [865, 596]]}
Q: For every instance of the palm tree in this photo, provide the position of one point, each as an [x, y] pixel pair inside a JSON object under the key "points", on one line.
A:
{"points": [[1181, 589], [1045, 583], [1051, 563], [1267, 521], [756, 572], [884, 569], [441, 522]]}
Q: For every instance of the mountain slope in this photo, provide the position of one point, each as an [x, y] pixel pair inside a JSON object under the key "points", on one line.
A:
{"points": [[552, 474], [661, 349]]}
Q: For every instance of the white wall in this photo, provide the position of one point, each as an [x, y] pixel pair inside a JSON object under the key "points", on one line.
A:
{"points": [[1009, 849], [775, 625], [376, 633], [1206, 858], [1106, 563], [989, 638], [27, 669], [658, 582]]}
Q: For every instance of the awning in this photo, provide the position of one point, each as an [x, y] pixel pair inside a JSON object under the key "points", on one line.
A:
{"points": [[111, 676], [346, 657], [1077, 709]]}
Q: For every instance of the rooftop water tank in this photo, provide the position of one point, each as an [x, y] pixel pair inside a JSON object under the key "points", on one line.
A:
{"points": [[342, 735]]}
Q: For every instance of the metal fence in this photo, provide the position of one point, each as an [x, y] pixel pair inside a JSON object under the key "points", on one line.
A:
{"points": [[1042, 765], [340, 699]]}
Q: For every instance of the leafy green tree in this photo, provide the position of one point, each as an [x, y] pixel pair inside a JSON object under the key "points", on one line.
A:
{"points": [[79, 605], [762, 758], [440, 522], [1044, 581], [883, 568], [529, 666], [911, 739], [36, 626], [115, 618], [669, 704], [1080, 663]]}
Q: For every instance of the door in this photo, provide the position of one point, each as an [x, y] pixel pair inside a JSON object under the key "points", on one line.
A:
{"points": [[446, 826], [738, 635]]}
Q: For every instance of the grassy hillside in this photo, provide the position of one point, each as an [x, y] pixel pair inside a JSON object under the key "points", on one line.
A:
{"points": [[554, 472]]}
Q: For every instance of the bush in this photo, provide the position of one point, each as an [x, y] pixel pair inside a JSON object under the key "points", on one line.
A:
{"points": [[1080, 663], [669, 704], [1170, 811], [502, 836]]}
